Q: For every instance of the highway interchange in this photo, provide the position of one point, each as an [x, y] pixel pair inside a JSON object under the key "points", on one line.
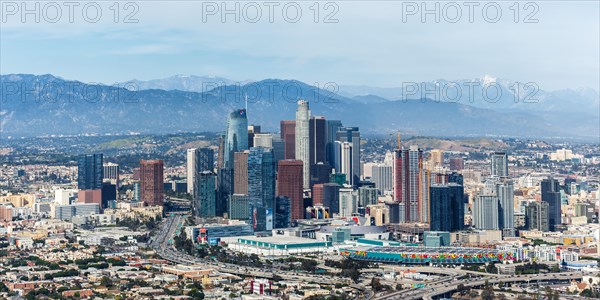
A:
{"points": [[162, 243]]}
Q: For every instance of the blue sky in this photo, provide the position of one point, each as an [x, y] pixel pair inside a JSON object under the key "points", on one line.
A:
{"points": [[370, 45]]}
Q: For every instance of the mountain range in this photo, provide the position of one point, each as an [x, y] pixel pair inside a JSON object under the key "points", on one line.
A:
{"points": [[33, 105]]}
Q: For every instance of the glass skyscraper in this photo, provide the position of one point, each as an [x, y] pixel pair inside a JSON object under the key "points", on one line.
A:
{"points": [[236, 137], [90, 172], [261, 177]]}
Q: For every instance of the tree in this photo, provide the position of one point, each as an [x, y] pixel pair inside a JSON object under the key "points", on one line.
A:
{"points": [[488, 292], [376, 284], [398, 287]]}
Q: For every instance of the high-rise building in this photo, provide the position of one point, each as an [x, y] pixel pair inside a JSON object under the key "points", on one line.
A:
{"points": [[551, 195], [344, 161], [278, 149], [191, 170], [318, 139], [447, 210], [506, 193], [499, 164], [332, 128], [252, 131], [457, 164], [288, 135], [327, 195], [382, 177], [352, 135], [485, 212], [239, 208], [264, 140], [261, 177], [240, 172], [236, 137], [282, 212], [110, 172], [367, 196], [205, 160], [151, 182], [205, 201], [348, 202], [408, 165], [290, 184], [436, 159], [319, 173], [536, 216], [90, 172], [303, 140]]}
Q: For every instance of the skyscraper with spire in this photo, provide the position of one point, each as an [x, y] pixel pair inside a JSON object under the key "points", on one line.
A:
{"points": [[236, 137], [303, 140]]}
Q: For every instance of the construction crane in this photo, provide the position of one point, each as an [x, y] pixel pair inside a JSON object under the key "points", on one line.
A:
{"points": [[397, 139]]}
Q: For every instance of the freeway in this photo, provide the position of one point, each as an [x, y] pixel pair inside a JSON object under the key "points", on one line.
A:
{"points": [[162, 243], [450, 284]]}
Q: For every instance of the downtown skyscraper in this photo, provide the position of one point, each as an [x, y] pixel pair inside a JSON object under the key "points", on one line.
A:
{"points": [[151, 182], [551, 195], [302, 137], [499, 165], [408, 164], [261, 178], [236, 137], [90, 172], [290, 184], [351, 135]]}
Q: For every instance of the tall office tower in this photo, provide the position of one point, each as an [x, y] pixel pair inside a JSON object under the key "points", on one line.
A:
{"points": [[348, 202], [282, 212], [204, 204], [221, 152], [240, 172], [261, 178], [109, 193], [344, 161], [408, 164], [367, 196], [319, 173], [536, 216], [436, 159], [205, 160], [327, 195], [447, 209], [236, 138], [499, 164], [90, 172], [264, 140], [290, 184], [239, 209], [485, 212], [303, 140], [457, 164], [278, 148], [288, 135], [151, 182], [506, 196], [427, 178], [225, 186], [352, 136], [318, 139], [382, 177], [252, 131], [111, 173], [191, 170], [331, 136], [551, 195]]}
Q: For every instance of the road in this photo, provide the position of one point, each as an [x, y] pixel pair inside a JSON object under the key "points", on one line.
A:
{"points": [[162, 243]]}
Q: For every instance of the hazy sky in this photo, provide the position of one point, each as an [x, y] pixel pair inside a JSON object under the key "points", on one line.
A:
{"points": [[371, 43]]}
